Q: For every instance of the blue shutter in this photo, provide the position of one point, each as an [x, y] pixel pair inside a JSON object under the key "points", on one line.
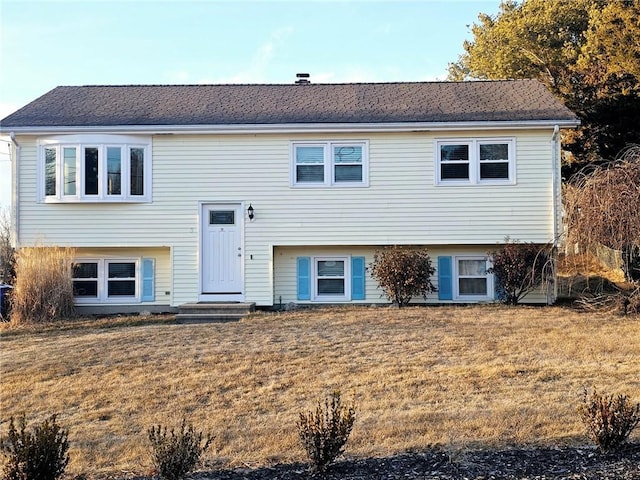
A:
{"points": [[304, 278], [498, 291], [445, 279], [357, 278], [148, 280]]}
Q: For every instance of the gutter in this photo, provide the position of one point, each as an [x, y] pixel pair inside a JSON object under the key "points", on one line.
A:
{"points": [[552, 290], [295, 127], [555, 147], [15, 166]]}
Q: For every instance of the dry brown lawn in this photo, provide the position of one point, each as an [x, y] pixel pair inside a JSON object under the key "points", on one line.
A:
{"points": [[458, 377]]}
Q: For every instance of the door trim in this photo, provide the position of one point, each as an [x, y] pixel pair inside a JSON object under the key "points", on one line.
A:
{"points": [[202, 217]]}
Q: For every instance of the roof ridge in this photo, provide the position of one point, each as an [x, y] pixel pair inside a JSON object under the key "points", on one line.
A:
{"points": [[410, 82]]}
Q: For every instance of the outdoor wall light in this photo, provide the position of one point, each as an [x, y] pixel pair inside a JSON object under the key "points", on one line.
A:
{"points": [[250, 212]]}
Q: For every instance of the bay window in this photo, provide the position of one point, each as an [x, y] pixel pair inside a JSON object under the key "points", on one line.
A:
{"points": [[105, 168]]}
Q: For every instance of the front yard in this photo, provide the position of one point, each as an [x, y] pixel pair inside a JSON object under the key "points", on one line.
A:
{"points": [[455, 377]]}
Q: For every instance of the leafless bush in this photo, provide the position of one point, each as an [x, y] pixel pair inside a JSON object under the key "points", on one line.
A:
{"points": [[520, 268], [177, 452], [39, 454], [44, 287], [324, 432], [603, 207], [609, 420], [7, 253]]}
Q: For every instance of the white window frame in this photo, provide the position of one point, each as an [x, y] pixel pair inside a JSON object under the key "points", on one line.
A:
{"points": [[329, 164], [97, 279], [456, 279], [102, 143], [347, 279], [103, 281], [474, 160]]}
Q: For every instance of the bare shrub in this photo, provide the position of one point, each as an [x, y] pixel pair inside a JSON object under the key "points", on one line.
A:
{"points": [[632, 303], [519, 268], [609, 420], [176, 453], [616, 301], [403, 273], [44, 286], [603, 207], [324, 432], [7, 252], [37, 455]]}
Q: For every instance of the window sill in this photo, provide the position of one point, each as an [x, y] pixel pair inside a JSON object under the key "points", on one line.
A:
{"points": [[110, 301], [331, 300], [462, 183], [96, 200], [473, 298], [330, 185]]}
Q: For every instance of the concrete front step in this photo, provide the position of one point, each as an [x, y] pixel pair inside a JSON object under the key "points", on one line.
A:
{"points": [[213, 312]]}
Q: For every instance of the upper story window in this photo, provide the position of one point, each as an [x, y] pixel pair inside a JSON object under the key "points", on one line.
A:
{"points": [[341, 163], [90, 168], [475, 161]]}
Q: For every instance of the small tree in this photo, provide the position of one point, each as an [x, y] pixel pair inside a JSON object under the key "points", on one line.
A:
{"points": [[403, 273], [518, 269]]}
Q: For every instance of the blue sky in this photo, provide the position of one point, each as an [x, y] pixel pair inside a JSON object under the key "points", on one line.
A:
{"points": [[89, 42]]}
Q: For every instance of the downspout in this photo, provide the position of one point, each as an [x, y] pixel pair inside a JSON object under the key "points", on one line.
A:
{"points": [[552, 289], [15, 162]]}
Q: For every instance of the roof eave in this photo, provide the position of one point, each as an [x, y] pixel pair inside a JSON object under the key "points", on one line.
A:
{"points": [[293, 127]]}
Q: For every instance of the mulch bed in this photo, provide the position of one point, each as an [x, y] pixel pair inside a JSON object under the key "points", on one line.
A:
{"points": [[568, 463]]}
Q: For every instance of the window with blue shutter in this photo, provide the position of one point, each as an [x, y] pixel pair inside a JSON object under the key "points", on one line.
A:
{"points": [[303, 275], [445, 278], [357, 278], [148, 280]]}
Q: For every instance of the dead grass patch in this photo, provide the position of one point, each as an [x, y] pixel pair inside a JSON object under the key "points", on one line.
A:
{"points": [[452, 376]]}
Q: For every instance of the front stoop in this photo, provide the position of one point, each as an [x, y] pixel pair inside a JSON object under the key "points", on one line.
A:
{"points": [[209, 312]]}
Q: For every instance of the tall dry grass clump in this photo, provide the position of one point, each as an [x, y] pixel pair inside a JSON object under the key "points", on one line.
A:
{"points": [[44, 286]]}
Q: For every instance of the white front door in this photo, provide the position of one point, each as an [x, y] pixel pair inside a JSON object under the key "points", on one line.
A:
{"points": [[222, 255]]}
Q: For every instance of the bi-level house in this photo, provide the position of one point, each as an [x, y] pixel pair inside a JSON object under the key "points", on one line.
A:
{"points": [[282, 193]]}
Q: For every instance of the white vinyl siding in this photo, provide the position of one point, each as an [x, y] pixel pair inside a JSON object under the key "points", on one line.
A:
{"points": [[402, 204]]}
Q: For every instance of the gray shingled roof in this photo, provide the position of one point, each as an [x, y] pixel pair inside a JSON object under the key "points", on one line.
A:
{"points": [[147, 105]]}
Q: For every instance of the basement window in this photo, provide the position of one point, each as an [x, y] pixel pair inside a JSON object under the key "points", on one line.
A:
{"points": [[106, 280]]}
